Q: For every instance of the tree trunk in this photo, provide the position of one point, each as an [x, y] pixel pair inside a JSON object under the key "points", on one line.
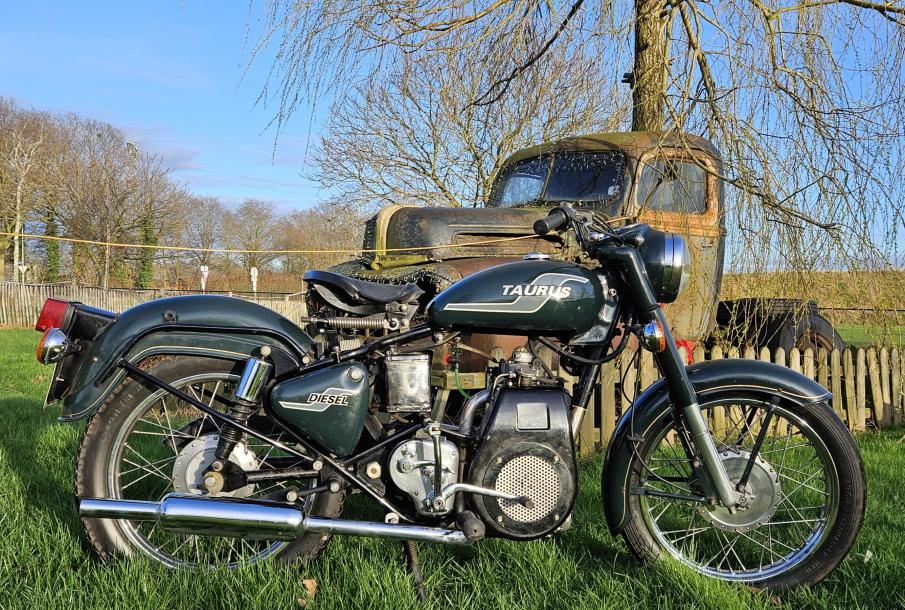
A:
{"points": [[17, 228], [651, 65], [52, 249], [106, 260]]}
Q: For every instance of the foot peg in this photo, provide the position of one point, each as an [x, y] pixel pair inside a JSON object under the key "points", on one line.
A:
{"points": [[471, 526]]}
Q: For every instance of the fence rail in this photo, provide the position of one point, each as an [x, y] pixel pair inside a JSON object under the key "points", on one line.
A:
{"points": [[21, 303]]}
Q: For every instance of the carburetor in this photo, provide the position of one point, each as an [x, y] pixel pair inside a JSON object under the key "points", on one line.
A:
{"points": [[524, 370]]}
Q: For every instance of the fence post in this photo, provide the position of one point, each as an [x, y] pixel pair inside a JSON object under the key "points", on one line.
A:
{"points": [[897, 389], [851, 399], [809, 364], [779, 357], [836, 378], [884, 387], [719, 412], [607, 401], [861, 389], [876, 392], [823, 371]]}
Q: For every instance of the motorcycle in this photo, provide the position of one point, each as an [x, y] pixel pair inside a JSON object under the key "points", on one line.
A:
{"points": [[220, 432]]}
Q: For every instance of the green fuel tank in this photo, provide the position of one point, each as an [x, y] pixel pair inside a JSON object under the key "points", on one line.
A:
{"points": [[539, 297]]}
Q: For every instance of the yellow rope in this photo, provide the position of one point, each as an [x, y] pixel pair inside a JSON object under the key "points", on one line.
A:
{"points": [[92, 242]]}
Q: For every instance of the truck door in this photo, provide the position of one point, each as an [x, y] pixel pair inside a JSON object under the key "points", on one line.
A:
{"points": [[678, 190]]}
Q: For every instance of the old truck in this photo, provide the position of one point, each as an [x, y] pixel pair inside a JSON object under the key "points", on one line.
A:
{"points": [[670, 181]]}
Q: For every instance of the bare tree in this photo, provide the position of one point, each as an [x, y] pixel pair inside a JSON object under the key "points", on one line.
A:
{"points": [[412, 136], [203, 228], [803, 98], [23, 158], [322, 227], [251, 227]]}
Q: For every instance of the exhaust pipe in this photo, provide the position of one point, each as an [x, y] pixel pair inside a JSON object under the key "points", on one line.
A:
{"points": [[232, 518]]}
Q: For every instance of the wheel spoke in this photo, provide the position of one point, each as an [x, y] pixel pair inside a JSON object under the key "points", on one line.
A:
{"points": [[790, 463], [157, 427]]}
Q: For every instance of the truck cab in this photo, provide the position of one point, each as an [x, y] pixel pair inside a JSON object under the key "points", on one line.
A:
{"points": [[671, 181]]}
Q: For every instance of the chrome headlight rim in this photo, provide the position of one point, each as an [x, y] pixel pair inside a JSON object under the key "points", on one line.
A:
{"points": [[667, 262], [677, 265]]}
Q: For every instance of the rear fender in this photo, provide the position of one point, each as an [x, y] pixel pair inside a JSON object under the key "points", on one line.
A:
{"points": [[208, 326], [710, 379]]}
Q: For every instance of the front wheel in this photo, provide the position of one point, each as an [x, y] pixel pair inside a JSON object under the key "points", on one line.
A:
{"points": [[803, 503]]}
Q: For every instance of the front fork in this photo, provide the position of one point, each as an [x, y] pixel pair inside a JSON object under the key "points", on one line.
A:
{"points": [[672, 366], [682, 394]]}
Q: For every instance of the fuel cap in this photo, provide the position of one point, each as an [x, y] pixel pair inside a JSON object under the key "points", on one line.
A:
{"points": [[536, 256]]}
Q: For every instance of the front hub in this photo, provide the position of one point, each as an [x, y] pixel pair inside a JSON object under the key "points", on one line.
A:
{"points": [[757, 501]]}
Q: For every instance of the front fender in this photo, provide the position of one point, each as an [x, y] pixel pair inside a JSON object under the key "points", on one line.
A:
{"points": [[201, 325], [709, 380]]}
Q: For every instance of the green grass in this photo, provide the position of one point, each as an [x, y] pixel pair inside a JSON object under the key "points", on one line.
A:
{"points": [[44, 562], [864, 335]]}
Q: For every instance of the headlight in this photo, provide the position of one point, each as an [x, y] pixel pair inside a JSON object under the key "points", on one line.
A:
{"points": [[667, 261]]}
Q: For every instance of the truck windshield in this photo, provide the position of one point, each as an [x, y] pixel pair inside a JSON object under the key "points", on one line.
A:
{"points": [[591, 178]]}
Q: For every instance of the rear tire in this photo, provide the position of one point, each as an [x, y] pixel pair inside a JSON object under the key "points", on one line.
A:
{"points": [[115, 538], [808, 563]]}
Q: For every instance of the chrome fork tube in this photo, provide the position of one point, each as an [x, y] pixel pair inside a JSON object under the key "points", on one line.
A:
{"points": [[682, 393]]}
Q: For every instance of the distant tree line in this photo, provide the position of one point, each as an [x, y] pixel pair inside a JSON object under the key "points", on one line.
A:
{"points": [[71, 176]]}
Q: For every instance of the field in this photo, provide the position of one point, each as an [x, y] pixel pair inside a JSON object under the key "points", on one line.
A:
{"points": [[44, 562], [864, 335]]}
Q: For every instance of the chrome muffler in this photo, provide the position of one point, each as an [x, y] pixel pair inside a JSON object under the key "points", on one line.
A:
{"points": [[232, 518]]}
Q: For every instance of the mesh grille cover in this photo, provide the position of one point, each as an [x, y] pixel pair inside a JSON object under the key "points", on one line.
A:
{"points": [[531, 476]]}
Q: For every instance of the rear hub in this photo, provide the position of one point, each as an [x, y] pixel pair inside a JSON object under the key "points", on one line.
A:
{"points": [[195, 459]]}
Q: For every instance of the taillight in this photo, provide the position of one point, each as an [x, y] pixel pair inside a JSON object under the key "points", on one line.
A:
{"points": [[52, 346], [52, 315]]}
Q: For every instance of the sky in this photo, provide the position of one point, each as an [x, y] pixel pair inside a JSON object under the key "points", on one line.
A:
{"points": [[174, 77]]}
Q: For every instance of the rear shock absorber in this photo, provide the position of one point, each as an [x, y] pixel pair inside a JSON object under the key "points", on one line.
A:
{"points": [[246, 400]]}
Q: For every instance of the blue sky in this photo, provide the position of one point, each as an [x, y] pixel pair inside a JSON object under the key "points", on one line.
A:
{"points": [[173, 76]]}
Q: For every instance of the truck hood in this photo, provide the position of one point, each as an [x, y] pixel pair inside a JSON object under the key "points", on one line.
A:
{"points": [[399, 236]]}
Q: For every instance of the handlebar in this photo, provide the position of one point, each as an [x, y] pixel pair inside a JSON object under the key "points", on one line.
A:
{"points": [[588, 235], [555, 220]]}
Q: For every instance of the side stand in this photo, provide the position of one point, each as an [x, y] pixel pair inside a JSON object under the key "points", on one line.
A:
{"points": [[411, 557]]}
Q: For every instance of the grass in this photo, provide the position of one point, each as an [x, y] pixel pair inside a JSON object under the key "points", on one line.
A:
{"points": [[865, 335], [45, 563]]}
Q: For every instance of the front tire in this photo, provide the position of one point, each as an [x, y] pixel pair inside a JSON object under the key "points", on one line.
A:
{"points": [[126, 452], [807, 487]]}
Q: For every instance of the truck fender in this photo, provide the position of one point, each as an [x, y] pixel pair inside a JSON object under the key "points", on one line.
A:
{"points": [[209, 326], [710, 379]]}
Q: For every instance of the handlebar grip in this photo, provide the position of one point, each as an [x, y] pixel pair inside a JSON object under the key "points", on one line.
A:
{"points": [[554, 221]]}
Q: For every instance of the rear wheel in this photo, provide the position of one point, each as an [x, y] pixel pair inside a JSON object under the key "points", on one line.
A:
{"points": [[803, 503], [144, 443]]}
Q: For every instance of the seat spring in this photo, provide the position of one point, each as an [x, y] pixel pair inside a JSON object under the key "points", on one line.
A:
{"points": [[370, 322]]}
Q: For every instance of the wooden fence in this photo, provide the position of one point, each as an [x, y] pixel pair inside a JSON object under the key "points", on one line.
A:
{"points": [[21, 303], [867, 384]]}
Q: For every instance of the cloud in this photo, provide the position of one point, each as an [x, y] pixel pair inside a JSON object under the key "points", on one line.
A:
{"points": [[159, 141]]}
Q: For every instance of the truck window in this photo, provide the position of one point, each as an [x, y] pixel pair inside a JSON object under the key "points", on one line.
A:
{"points": [[522, 182], [585, 176], [669, 185]]}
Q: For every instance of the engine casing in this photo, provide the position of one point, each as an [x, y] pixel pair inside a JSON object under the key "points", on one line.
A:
{"points": [[526, 450]]}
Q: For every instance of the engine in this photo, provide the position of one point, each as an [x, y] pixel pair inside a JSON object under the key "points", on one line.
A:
{"points": [[526, 450], [519, 475]]}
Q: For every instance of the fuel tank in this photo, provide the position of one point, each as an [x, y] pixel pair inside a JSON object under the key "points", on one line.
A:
{"points": [[526, 297]]}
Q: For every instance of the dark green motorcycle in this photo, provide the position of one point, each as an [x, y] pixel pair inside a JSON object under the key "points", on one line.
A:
{"points": [[222, 433]]}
